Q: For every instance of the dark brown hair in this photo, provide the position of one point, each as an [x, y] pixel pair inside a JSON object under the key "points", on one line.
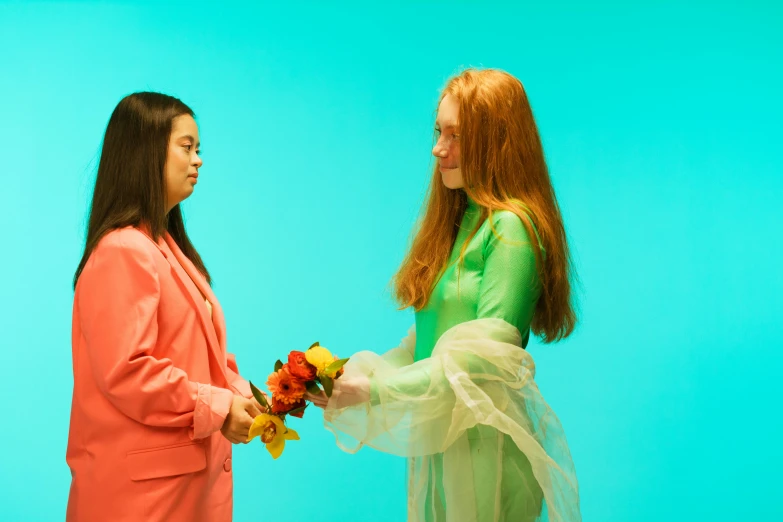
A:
{"points": [[130, 186]]}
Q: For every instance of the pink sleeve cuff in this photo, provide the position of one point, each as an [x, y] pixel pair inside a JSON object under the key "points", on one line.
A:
{"points": [[212, 406]]}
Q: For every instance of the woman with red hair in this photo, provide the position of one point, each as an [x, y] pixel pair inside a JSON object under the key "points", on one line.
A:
{"points": [[489, 264]]}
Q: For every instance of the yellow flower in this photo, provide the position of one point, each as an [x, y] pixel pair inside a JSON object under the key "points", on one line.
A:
{"points": [[321, 358], [273, 433]]}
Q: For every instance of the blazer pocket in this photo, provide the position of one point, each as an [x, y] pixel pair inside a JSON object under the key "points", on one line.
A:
{"points": [[167, 461]]}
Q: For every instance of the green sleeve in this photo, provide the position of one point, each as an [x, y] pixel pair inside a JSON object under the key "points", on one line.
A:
{"points": [[510, 286], [509, 291]]}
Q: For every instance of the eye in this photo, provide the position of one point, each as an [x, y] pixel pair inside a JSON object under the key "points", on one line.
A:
{"points": [[188, 146], [437, 131]]}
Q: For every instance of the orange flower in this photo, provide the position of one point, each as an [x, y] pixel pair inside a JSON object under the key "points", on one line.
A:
{"points": [[284, 387]]}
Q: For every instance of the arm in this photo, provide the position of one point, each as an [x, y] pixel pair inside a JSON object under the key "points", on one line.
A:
{"points": [[119, 324], [508, 291], [510, 286], [422, 408], [361, 388], [402, 355]]}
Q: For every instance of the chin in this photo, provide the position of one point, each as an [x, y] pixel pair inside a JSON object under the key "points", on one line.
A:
{"points": [[452, 181], [187, 194]]}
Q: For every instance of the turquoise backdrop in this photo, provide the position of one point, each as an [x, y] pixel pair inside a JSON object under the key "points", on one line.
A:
{"points": [[662, 127]]}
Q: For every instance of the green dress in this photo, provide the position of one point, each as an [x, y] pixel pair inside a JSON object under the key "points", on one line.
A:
{"points": [[497, 278], [458, 398]]}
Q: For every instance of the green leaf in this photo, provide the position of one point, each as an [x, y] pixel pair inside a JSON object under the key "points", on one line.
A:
{"points": [[336, 365], [312, 387], [314, 345], [296, 410], [328, 385], [278, 365], [259, 396]]}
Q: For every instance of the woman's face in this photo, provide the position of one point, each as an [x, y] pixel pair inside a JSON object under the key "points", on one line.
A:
{"points": [[182, 160], [447, 147]]}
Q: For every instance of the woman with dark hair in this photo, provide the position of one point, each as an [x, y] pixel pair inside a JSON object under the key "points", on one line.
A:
{"points": [[157, 399]]}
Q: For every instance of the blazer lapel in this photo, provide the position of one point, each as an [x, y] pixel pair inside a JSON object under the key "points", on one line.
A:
{"points": [[187, 273]]}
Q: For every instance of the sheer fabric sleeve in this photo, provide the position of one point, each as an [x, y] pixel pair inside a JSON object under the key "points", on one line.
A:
{"points": [[478, 374]]}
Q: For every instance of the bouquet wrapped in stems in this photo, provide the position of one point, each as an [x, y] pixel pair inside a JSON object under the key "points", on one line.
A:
{"points": [[313, 371]]}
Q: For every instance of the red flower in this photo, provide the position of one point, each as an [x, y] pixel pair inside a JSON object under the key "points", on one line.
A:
{"points": [[299, 368], [284, 387], [282, 407]]}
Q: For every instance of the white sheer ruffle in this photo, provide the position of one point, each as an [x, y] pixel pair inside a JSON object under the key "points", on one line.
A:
{"points": [[483, 443]]}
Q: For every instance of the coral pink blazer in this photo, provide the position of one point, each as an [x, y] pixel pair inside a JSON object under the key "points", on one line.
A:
{"points": [[152, 385]]}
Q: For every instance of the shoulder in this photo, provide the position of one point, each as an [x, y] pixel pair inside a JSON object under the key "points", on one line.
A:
{"points": [[510, 224], [124, 260], [508, 219], [126, 247], [511, 229], [129, 239]]}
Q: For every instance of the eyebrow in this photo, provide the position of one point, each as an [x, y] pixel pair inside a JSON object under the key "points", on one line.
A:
{"points": [[447, 125]]}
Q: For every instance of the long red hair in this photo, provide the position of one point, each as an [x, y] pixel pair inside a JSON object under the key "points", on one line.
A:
{"points": [[503, 165]]}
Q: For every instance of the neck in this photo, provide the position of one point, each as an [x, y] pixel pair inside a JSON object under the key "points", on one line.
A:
{"points": [[471, 203]]}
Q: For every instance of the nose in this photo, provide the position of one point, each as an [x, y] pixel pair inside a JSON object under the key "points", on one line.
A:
{"points": [[439, 150], [197, 161]]}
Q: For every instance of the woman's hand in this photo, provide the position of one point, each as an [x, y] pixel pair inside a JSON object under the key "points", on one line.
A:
{"points": [[262, 409], [348, 391], [319, 400], [239, 419]]}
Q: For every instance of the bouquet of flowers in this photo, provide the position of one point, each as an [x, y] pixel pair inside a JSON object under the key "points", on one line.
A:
{"points": [[305, 371]]}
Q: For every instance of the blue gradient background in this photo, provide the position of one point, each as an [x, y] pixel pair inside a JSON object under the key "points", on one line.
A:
{"points": [[662, 127]]}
